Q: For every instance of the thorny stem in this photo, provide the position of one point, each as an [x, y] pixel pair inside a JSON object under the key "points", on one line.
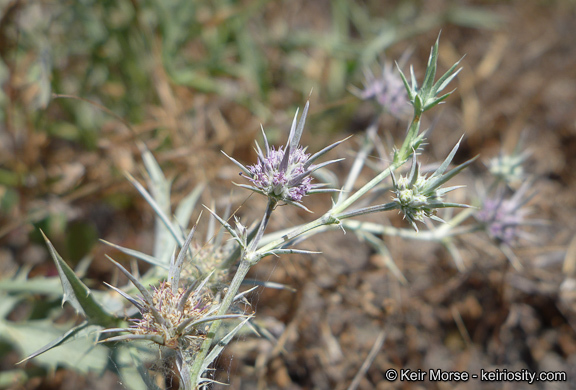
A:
{"points": [[322, 221], [241, 273], [269, 208], [399, 159], [247, 261], [450, 229], [407, 146]]}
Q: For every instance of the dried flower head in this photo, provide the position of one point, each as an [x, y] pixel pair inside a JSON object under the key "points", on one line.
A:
{"points": [[174, 310], [284, 174], [175, 318], [418, 196], [207, 258], [172, 316]]}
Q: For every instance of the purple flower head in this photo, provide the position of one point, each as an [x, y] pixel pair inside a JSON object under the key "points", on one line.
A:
{"points": [[388, 91], [291, 183], [283, 174], [502, 218]]}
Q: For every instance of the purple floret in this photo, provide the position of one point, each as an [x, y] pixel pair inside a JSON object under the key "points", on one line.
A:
{"points": [[285, 183], [388, 91], [502, 219]]}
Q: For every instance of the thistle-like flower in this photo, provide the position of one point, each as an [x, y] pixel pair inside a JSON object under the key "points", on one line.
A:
{"points": [[169, 311], [419, 197], [207, 258], [503, 218], [171, 316], [388, 91], [284, 174], [289, 181]]}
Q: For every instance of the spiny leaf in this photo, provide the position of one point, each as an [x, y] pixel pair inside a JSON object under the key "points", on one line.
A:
{"points": [[215, 352], [59, 341], [77, 293], [157, 209], [137, 254]]}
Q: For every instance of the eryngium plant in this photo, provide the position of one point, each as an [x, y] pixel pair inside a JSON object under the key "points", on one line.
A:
{"points": [[503, 212], [285, 174], [387, 90], [503, 218], [185, 313], [420, 197], [171, 315]]}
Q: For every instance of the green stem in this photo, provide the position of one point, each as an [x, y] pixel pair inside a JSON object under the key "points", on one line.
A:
{"points": [[406, 148], [399, 159], [368, 210], [326, 219], [246, 263], [340, 208], [241, 273], [269, 208], [437, 235]]}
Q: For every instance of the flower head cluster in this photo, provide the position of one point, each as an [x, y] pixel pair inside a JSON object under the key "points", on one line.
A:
{"points": [[414, 200], [284, 174], [503, 218], [418, 196], [388, 91]]}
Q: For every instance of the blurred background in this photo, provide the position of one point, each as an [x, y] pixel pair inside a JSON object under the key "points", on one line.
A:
{"points": [[84, 82]]}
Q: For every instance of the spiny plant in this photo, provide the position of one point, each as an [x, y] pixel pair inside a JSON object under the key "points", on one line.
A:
{"points": [[189, 302]]}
